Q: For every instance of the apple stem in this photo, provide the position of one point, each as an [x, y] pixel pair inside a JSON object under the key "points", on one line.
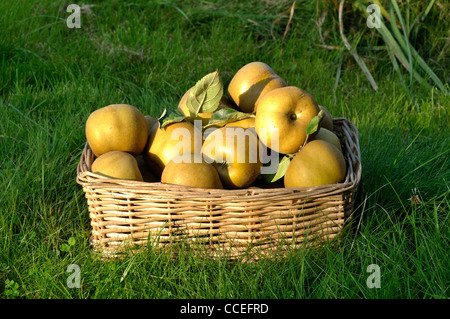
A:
{"points": [[291, 156]]}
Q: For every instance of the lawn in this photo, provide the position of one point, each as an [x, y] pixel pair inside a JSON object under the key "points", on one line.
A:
{"points": [[147, 54]]}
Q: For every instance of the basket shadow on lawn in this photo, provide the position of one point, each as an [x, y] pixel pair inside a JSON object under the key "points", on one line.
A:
{"points": [[395, 162]]}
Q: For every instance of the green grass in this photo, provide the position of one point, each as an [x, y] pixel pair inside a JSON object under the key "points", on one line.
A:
{"points": [[148, 54]]}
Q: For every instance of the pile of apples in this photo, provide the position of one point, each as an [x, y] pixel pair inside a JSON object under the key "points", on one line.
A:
{"points": [[262, 133]]}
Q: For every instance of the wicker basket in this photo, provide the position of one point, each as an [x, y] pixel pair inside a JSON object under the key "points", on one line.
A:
{"points": [[229, 223]]}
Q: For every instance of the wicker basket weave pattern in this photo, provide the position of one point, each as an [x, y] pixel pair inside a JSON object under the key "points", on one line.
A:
{"points": [[225, 221]]}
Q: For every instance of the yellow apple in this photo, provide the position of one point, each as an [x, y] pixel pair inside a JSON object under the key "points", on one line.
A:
{"points": [[250, 83], [234, 151], [327, 120], [149, 174], [329, 136], [175, 138], [192, 170], [116, 127], [150, 122], [249, 123], [244, 123], [318, 163], [282, 117], [117, 164]]}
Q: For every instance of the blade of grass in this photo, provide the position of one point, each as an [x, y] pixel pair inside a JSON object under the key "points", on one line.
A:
{"points": [[183, 14], [408, 147], [338, 72], [396, 66], [395, 48], [404, 45], [352, 50], [382, 9], [406, 39], [421, 16], [398, 46], [428, 70], [28, 118], [411, 217], [408, 10]]}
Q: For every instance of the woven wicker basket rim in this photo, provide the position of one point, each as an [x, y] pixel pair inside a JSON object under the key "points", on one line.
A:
{"points": [[349, 137]]}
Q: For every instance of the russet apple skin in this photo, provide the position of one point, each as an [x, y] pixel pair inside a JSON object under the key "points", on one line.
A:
{"points": [[162, 146], [116, 127], [327, 135], [317, 163], [250, 83], [287, 110], [150, 122], [191, 170], [117, 164], [234, 155], [327, 120], [244, 123], [149, 174]]}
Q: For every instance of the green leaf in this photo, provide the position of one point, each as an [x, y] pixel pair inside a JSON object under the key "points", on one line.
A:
{"points": [[352, 49], [281, 170], [313, 125], [225, 116], [169, 117], [65, 247], [205, 95], [71, 241]]}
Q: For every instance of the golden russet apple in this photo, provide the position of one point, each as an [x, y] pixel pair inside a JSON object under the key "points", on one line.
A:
{"points": [[149, 174], [165, 143], [250, 83], [244, 123], [318, 163], [116, 127], [117, 164], [150, 122], [234, 153], [327, 119], [329, 136], [282, 117], [192, 170]]}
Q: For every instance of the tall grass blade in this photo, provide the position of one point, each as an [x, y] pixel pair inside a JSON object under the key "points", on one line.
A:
{"points": [[352, 50], [396, 66], [406, 40], [421, 16], [28, 118], [397, 46], [403, 45]]}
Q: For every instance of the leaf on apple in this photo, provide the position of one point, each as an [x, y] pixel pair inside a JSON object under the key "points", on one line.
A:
{"points": [[169, 117], [313, 125], [281, 170], [225, 116], [205, 95]]}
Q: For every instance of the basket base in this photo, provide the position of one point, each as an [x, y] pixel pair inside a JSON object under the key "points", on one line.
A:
{"points": [[233, 250]]}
